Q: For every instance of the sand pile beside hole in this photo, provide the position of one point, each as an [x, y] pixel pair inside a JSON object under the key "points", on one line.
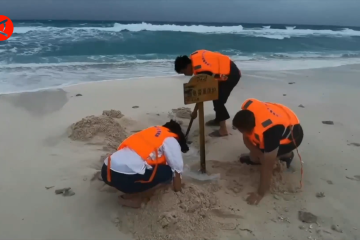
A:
{"points": [[113, 113], [173, 216], [182, 112], [103, 130]]}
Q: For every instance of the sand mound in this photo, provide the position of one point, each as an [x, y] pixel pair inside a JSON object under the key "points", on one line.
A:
{"points": [[173, 216], [113, 113], [182, 112], [102, 130]]}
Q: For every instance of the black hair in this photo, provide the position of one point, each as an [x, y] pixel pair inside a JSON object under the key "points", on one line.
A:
{"points": [[181, 62], [175, 127], [244, 120]]}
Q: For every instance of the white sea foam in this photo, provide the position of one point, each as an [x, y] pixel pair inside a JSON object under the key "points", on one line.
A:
{"points": [[266, 31], [32, 77]]}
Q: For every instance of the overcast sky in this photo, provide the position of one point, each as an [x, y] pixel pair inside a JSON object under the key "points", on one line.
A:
{"points": [[322, 12]]}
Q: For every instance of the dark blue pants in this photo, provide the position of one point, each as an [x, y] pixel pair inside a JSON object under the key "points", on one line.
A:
{"points": [[128, 183]]}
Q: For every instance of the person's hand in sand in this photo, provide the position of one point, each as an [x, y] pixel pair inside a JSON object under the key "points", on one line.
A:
{"points": [[223, 70], [145, 162], [271, 132]]}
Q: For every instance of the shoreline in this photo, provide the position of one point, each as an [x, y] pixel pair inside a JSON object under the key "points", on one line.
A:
{"points": [[90, 82], [166, 76]]}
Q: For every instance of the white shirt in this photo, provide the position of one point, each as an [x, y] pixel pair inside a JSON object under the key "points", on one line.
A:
{"points": [[128, 162]]}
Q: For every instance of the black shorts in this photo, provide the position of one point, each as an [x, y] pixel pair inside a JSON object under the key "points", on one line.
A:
{"points": [[225, 88], [298, 137], [128, 183]]}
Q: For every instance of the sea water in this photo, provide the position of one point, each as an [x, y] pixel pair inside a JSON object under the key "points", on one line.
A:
{"points": [[48, 54]]}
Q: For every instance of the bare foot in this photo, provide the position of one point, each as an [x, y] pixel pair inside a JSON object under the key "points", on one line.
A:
{"points": [[223, 132], [133, 203]]}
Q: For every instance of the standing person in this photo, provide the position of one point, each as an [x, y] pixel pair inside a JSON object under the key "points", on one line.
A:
{"points": [[145, 162], [222, 69], [270, 131]]}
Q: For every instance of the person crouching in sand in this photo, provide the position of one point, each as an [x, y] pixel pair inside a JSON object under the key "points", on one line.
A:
{"points": [[270, 131], [145, 162]]}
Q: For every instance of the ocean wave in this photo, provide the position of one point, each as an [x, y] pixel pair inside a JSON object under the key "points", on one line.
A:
{"points": [[124, 61], [41, 76], [53, 54], [266, 31], [66, 64]]}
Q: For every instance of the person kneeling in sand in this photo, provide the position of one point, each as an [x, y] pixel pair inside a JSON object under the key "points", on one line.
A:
{"points": [[145, 162], [270, 131]]}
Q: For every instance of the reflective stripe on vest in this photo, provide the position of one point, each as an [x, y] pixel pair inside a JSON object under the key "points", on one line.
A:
{"points": [[247, 104]]}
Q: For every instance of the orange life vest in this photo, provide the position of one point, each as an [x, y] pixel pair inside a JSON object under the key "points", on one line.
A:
{"points": [[268, 115], [146, 143], [217, 63]]}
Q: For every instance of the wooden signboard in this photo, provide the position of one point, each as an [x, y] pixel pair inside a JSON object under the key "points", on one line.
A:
{"points": [[199, 89]]}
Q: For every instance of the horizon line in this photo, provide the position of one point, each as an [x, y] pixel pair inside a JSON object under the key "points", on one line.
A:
{"points": [[183, 22]]}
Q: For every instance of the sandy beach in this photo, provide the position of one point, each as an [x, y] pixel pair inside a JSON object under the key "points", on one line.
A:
{"points": [[38, 157]]}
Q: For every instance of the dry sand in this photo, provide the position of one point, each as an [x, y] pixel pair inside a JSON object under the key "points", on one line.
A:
{"points": [[52, 139]]}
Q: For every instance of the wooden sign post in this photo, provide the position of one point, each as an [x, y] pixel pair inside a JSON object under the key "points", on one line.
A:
{"points": [[199, 89]]}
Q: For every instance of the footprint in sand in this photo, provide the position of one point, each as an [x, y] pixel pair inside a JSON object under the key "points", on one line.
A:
{"points": [[354, 144], [355, 178]]}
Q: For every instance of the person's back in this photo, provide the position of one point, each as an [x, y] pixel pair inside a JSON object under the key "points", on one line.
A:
{"points": [[216, 64]]}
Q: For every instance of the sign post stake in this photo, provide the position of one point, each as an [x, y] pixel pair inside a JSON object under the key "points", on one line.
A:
{"points": [[202, 137], [199, 89]]}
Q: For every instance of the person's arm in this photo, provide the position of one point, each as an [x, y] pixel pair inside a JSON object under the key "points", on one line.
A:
{"points": [[177, 182], [272, 138], [251, 146], [175, 160]]}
